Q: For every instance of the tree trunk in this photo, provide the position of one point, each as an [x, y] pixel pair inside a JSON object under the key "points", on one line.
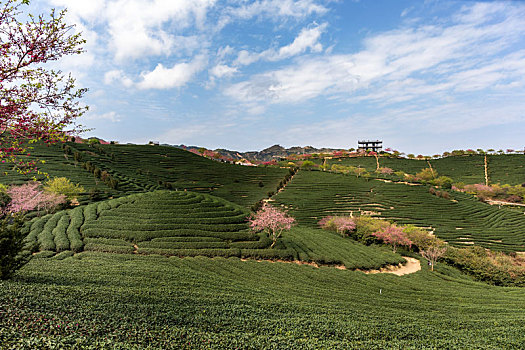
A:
{"points": [[431, 169], [486, 171]]}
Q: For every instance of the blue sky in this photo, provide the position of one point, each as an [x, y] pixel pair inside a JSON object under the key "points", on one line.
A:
{"points": [[424, 76]]}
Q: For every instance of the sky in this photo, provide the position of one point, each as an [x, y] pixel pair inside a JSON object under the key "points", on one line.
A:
{"points": [[423, 76]]}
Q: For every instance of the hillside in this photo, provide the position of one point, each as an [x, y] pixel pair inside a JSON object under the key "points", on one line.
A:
{"points": [[188, 224], [461, 220], [163, 258], [141, 168], [504, 169]]}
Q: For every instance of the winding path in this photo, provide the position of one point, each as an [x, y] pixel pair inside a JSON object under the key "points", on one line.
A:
{"points": [[412, 265]]}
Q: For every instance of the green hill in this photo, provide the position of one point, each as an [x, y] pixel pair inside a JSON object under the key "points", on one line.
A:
{"points": [[504, 169], [189, 224], [142, 168], [145, 168], [461, 220]]}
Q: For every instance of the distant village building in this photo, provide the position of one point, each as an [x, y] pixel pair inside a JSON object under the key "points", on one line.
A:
{"points": [[375, 146]]}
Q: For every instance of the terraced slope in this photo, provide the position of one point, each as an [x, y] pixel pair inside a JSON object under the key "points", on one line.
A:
{"points": [[189, 224], [461, 221], [505, 169], [115, 301], [145, 168], [57, 165]]}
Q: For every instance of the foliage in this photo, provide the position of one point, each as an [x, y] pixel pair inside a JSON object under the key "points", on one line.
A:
{"points": [[420, 238], [26, 86], [63, 186], [343, 225], [271, 220], [393, 236], [426, 174], [12, 243], [438, 193], [307, 164], [495, 268], [442, 181], [30, 197], [385, 170], [508, 193]]}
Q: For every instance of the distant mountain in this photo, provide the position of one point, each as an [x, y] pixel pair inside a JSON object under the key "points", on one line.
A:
{"points": [[267, 154]]}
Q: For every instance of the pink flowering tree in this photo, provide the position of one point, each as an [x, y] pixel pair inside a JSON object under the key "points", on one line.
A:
{"points": [[394, 236], [36, 103], [272, 221], [341, 224], [30, 197]]}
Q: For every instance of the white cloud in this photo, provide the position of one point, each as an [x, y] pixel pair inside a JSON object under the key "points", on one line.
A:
{"points": [[224, 51], [117, 76], [176, 76], [136, 27], [403, 64], [109, 116], [306, 79], [278, 8], [222, 70], [139, 28], [308, 38]]}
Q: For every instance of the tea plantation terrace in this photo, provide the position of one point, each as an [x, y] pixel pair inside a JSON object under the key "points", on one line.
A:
{"points": [[178, 223]]}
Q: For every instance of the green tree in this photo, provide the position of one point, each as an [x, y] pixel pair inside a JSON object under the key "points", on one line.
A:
{"points": [[426, 174], [62, 186], [12, 254], [308, 164]]}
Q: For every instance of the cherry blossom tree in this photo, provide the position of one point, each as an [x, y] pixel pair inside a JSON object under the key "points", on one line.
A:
{"points": [[271, 220], [30, 197], [341, 224], [394, 236], [36, 103]]}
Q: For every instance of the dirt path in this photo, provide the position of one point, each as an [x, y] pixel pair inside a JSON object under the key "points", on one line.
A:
{"points": [[412, 265], [493, 202]]}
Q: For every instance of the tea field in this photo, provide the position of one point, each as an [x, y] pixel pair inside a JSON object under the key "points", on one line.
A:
{"points": [[144, 168], [120, 301], [163, 258], [504, 169], [461, 220], [184, 224]]}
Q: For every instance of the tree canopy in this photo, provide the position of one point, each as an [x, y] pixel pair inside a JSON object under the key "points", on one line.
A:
{"points": [[37, 103]]}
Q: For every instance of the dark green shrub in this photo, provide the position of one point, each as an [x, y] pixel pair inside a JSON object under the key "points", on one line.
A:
{"points": [[12, 256]]}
